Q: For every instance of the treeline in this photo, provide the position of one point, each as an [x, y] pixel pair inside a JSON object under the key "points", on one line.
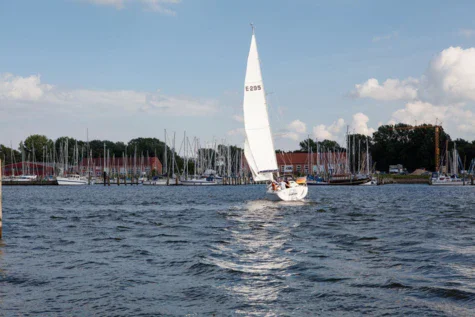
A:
{"points": [[413, 147], [39, 148]]}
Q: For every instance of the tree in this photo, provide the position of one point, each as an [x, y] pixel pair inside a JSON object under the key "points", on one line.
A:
{"points": [[404, 144], [328, 145], [36, 146], [8, 155]]}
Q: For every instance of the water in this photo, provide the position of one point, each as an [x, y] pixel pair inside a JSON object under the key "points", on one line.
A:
{"points": [[223, 251]]}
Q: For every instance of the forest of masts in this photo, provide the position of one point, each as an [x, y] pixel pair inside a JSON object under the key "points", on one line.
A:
{"points": [[328, 158], [191, 159]]}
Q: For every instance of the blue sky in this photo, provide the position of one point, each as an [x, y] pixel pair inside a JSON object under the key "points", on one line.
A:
{"points": [[128, 68]]}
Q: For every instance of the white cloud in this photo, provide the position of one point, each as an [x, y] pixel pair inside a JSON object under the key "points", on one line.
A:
{"points": [[454, 117], [445, 92], [467, 32], [291, 135], [238, 131], [391, 89], [451, 75], [160, 6], [293, 131], [385, 37], [332, 132], [297, 126], [360, 124], [238, 118], [28, 93], [22, 88]]}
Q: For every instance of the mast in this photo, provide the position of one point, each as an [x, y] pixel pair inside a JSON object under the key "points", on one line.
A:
{"points": [[367, 155], [165, 165], [88, 158], [347, 150], [173, 156], [22, 158], [447, 156]]}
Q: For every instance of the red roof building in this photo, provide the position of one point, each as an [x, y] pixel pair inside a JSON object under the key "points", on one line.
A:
{"points": [[299, 163], [304, 163], [29, 168], [120, 165]]}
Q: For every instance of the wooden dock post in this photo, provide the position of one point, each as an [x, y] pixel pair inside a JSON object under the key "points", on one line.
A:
{"points": [[1, 179]]}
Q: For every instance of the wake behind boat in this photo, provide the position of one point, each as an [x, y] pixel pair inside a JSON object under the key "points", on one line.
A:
{"points": [[259, 147]]}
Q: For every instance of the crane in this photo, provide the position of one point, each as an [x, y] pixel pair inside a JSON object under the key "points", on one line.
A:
{"points": [[437, 127]]}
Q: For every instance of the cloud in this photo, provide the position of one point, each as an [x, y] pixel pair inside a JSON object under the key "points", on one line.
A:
{"points": [[22, 88], [160, 6], [239, 131], [297, 126], [238, 118], [28, 93], [385, 37], [294, 130], [391, 89], [451, 75], [454, 117], [360, 124], [322, 132], [291, 135], [466, 32], [444, 92]]}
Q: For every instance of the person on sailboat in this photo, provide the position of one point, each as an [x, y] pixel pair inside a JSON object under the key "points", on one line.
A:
{"points": [[283, 185]]}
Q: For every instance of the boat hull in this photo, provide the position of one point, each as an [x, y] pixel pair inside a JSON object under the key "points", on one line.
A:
{"points": [[457, 183], [157, 183], [288, 194], [70, 182], [198, 183], [340, 182]]}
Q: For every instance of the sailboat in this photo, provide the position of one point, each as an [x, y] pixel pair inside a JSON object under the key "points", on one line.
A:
{"points": [[259, 146], [439, 179]]}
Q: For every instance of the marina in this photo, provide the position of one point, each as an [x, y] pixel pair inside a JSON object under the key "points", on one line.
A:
{"points": [[237, 158]]}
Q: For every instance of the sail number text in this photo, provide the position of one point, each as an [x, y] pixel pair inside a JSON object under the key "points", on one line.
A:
{"points": [[253, 88]]}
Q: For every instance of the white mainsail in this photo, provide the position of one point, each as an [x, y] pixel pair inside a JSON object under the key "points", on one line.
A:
{"points": [[259, 146]]}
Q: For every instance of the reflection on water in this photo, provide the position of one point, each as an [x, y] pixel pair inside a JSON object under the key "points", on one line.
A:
{"points": [[254, 249]]}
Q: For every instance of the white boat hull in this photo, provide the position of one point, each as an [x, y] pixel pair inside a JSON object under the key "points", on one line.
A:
{"points": [[370, 183], [198, 182], [73, 182], [454, 183], [161, 182], [288, 194]]}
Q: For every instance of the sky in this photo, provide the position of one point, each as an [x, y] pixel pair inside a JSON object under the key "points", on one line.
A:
{"points": [[121, 69]]}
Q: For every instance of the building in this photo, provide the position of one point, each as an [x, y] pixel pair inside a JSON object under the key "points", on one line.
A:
{"points": [[28, 168], [122, 166], [396, 169], [304, 163]]}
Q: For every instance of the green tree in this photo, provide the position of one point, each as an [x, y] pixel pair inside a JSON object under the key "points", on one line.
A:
{"points": [[9, 155], [36, 146], [414, 147], [328, 145]]}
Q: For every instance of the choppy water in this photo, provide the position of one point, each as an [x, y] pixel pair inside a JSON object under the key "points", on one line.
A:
{"points": [[174, 251]]}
